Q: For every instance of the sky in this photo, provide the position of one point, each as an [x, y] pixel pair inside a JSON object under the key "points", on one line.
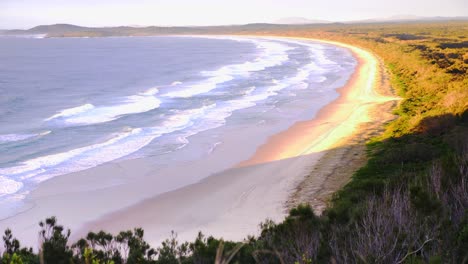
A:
{"points": [[30, 13]]}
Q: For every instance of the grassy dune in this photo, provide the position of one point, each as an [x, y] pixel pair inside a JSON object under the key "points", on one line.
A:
{"points": [[428, 65]]}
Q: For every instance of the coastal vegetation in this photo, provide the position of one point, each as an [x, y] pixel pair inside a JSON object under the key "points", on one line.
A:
{"points": [[408, 204]]}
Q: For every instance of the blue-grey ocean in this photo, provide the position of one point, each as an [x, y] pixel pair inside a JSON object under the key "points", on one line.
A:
{"points": [[71, 104]]}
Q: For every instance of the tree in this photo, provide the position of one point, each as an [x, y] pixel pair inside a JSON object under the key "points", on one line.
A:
{"points": [[139, 250], [171, 252], [54, 240], [12, 245], [14, 254]]}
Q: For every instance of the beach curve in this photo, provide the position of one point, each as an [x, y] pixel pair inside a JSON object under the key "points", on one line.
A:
{"points": [[232, 203], [333, 122]]}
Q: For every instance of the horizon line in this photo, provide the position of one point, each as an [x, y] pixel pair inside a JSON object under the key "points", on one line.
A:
{"points": [[390, 19]]}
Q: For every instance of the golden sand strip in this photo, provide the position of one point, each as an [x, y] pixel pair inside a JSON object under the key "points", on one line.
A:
{"points": [[333, 122], [340, 129], [231, 203]]}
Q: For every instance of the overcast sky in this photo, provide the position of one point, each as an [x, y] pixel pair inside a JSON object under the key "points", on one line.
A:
{"points": [[29, 13]]}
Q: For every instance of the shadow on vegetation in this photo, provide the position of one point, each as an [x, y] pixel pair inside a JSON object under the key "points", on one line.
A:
{"points": [[408, 204]]}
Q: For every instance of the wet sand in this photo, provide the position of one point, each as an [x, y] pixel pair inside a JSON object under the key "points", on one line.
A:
{"points": [[228, 204], [231, 204]]}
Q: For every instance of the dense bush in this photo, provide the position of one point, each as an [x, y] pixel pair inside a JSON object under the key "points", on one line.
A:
{"points": [[406, 223]]}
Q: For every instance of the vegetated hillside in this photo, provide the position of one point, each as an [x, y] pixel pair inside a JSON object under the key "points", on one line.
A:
{"points": [[409, 204], [66, 30], [279, 27], [412, 196]]}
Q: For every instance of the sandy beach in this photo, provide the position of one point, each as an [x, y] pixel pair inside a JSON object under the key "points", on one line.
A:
{"points": [[290, 167], [231, 204]]}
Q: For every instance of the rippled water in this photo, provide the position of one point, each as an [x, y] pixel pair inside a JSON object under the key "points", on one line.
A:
{"points": [[68, 105]]}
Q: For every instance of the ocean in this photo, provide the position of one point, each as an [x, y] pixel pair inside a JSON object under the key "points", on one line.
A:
{"points": [[72, 104]]}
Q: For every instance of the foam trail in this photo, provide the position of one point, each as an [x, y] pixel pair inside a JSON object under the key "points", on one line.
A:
{"points": [[318, 66], [317, 50], [127, 142], [213, 147], [20, 137], [272, 54], [123, 144], [72, 111], [89, 114], [9, 186], [34, 167], [216, 117]]}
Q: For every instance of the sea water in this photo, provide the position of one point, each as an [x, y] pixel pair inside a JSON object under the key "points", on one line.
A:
{"points": [[71, 104]]}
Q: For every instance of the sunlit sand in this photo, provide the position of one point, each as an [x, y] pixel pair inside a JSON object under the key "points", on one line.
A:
{"points": [[258, 188]]}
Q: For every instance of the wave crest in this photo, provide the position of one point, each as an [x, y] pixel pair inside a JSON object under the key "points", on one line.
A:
{"points": [[271, 54], [88, 114]]}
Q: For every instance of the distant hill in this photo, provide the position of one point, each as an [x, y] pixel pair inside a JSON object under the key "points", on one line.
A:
{"points": [[299, 21], [409, 18], [57, 28], [293, 23], [66, 30]]}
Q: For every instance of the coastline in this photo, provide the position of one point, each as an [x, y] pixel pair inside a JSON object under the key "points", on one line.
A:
{"points": [[340, 129], [332, 122], [265, 185], [240, 198]]}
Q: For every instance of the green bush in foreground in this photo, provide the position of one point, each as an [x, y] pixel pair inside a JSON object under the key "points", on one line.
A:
{"points": [[406, 223]]}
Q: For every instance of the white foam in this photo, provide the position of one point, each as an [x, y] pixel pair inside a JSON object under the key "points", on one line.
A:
{"points": [[15, 137], [120, 145], [45, 133], [152, 91], [20, 137], [200, 88], [72, 111], [249, 90], [320, 63], [176, 83], [271, 54], [319, 55], [213, 147], [216, 116], [319, 79], [90, 114], [9, 186], [317, 50], [132, 140], [40, 165], [315, 70]]}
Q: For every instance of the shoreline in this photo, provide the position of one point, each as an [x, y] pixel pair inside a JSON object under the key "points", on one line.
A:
{"points": [[223, 195], [228, 204], [309, 135], [341, 133]]}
